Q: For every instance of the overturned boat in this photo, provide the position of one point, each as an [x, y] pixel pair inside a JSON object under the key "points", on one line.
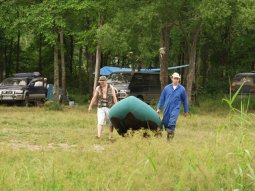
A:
{"points": [[133, 114]]}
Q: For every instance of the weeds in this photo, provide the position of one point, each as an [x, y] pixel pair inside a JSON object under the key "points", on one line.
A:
{"points": [[51, 150], [244, 172], [240, 116], [53, 106]]}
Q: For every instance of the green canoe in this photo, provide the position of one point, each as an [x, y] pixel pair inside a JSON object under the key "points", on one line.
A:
{"points": [[132, 113]]}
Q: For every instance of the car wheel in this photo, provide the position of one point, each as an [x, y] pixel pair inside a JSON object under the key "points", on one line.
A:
{"points": [[40, 102], [26, 101]]}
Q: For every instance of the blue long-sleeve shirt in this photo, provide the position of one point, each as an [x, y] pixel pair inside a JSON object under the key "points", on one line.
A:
{"points": [[172, 99]]}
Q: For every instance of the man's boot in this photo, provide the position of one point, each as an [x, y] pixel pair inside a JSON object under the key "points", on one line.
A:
{"points": [[170, 134]]}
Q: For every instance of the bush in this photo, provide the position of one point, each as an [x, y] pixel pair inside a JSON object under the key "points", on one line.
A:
{"points": [[53, 106]]}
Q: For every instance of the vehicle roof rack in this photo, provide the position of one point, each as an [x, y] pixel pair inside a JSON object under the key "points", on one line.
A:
{"points": [[33, 74]]}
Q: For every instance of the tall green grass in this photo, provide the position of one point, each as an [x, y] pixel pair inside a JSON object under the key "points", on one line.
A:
{"points": [[243, 119], [51, 150]]}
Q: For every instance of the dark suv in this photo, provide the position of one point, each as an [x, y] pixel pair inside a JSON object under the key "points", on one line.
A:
{"points": [[24, 88], [144, 85], [248, 81]]}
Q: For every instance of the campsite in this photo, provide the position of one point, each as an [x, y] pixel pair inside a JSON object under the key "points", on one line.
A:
{"points": [[127, 95]]}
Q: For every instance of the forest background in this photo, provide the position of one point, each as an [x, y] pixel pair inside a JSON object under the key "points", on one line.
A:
{"points": [[68, 41]]}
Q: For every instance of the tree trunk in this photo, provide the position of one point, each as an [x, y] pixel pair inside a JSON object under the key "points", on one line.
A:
{"points": [[18, 53], [18, 49], [40, 54], [90, 60], [9, 59], [196, 81], [1, 64], [204, 63], [5, 59], [2, 42], [56, 75], [192, 60], [186, 61], [98, 55], [80, 70], [164, 55], [97, 66], [191, 71], [71, 55], [63, 67]]}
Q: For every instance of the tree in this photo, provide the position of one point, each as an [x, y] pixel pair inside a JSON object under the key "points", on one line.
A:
{"points": [[104, 11], [47, 18], [219, 33], [135, 28], [10, 32], [98, 55], [1, 56], [190, 24], [167, 13], [63, 66], [56, 74]]}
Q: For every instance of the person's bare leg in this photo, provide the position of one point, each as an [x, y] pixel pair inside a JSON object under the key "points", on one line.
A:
{"points": [[99, 130], [110, 132]]}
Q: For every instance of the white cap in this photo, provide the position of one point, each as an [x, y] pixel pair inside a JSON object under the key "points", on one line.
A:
{"points": [[176, 75]]}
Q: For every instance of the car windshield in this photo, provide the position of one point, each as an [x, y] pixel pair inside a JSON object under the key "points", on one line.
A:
{"points": [[244, 78], [14, 82], [120, 77]]}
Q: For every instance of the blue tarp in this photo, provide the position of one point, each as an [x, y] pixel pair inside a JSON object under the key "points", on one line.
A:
{"points": [[169, 68], [50, 91], [107, 70]]}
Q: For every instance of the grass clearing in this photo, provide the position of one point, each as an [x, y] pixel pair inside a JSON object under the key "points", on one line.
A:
{"points": [[57, 150]]}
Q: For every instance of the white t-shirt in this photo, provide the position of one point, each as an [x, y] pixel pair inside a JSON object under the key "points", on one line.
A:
{"points": [[174, 87]]}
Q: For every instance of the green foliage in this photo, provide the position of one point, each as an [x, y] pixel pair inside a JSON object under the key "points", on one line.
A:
{"points": [[231, 99], [215, 12], [247, 14], [53, 106], [111, 40], [80, 99], [244, 171], [241, 115], [227, 29]]}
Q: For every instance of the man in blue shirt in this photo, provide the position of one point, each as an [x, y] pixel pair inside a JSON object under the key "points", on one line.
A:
{"points": [[171, 98]]}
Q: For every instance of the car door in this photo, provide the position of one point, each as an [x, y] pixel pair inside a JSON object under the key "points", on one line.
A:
{"points": [[137, 84], [153, 89], [36, 89]]}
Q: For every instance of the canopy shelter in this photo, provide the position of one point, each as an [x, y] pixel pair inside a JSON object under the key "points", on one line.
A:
{"points": [[169, 68], [107, 70]]}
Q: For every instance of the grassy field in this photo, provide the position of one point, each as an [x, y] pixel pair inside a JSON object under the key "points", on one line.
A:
{"points": [[57, 150]]}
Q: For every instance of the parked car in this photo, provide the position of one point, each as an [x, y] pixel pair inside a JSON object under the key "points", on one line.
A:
{"points": [[144, 85], [248, 87], [24, 88]]}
